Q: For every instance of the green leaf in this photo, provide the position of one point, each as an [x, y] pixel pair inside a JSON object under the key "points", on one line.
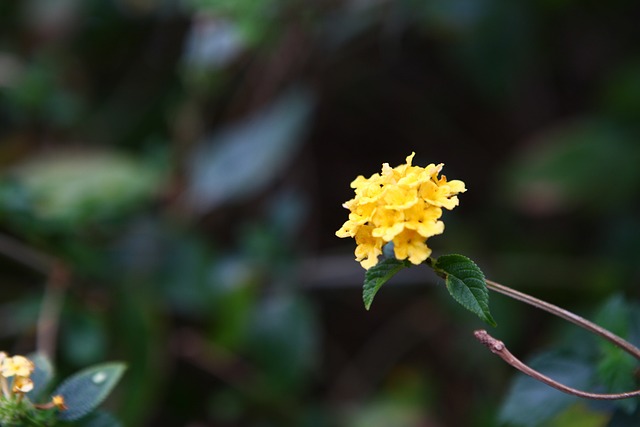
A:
{"points": [[378, 275], [41, 376], [581, 415], [87, 389], [465, 282]]}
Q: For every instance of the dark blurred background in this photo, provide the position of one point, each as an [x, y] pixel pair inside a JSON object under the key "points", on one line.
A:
{"points": [[186, 162]]}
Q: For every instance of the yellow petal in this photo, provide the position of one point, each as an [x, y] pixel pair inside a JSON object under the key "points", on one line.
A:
{"points": [[22, 384]]}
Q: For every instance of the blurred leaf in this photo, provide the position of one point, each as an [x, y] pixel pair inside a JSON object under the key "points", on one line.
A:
{"points": [[83, 337], [530, 403], [616, 368], [182, 274], [243, 159], [234, 300], [212, 43], [466, 284], [36, 94], [588, 163], [140, 325], [579, 415], [405, 402], [41, 376], [378, 275], [284, 342], [87, 389], [99, 419], [621, 419], [36, 83], [254, 18], [287, 211], [70, 189], [614, 314], [621, 97]]}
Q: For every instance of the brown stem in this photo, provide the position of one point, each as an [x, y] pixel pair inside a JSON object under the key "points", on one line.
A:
{"points": [[26, 255], [497, 347], [55, 288], [566, 315], [49, 318]]}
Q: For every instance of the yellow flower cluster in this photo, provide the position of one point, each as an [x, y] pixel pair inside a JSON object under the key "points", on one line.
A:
{"points": [[18, 367], [402, 205]]}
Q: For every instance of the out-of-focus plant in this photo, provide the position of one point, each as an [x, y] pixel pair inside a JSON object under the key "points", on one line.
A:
{"points": [[25, 379]]}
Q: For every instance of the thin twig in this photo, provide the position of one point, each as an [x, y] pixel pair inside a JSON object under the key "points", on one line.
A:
{"points": [[55, 288], [18, 251], [49, 318], [497, 347], [566, 315]]}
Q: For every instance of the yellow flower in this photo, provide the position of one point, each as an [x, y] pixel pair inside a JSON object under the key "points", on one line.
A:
{"points": [[369, 248], [58, 402], [17, 365], [402, 205], [22, 384]]}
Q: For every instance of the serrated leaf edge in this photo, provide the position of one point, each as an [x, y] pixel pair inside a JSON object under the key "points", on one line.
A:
{"points": [[381, 279], [484, 306]]}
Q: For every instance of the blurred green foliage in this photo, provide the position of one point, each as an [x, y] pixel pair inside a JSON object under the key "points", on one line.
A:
{"points": [[187, 160]]}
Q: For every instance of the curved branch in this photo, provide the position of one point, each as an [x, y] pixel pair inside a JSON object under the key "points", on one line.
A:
{"points": [[497, 347], [566, 315]]}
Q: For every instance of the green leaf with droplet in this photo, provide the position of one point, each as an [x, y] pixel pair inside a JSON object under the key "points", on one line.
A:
{"points": [[87, 389], [378, 275], [466, 284]]}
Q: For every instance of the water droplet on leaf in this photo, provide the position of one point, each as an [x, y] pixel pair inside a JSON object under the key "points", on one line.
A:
{"points": [[99, 377]]}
